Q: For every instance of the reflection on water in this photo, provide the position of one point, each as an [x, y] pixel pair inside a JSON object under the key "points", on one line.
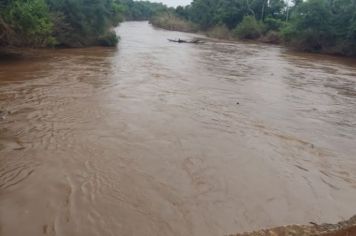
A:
{"points": [[158, 138]]}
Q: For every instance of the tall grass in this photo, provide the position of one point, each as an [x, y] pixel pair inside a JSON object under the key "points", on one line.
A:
{"points": [[169, 21], [219, 32]]}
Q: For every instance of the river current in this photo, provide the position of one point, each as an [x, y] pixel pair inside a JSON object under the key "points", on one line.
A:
{"points": [[160, 138]]}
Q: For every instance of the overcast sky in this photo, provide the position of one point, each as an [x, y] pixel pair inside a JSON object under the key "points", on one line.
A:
{"points": [[173, 3]]}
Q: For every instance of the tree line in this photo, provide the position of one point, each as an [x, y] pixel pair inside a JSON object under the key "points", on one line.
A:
{"points": [[311, 25], [142, 10], [68, 23]]}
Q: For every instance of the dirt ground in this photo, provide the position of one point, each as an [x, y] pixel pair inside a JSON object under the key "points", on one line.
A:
{"points": [[343, 228]]}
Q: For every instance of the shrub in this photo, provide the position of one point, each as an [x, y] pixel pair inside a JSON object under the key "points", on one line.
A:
{"points": [[109, 40], [289, 32], [249, 28], [220, 32], [273, 24], [273, 37]]}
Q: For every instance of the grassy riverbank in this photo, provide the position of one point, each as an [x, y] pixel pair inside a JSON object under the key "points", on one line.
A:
{"points": [[172, 22], [250, 30]]}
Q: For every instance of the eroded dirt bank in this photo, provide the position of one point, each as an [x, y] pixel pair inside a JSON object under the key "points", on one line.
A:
{"points": [[157, 138], [343, 228]]}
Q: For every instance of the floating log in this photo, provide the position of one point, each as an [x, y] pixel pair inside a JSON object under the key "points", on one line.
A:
{"points": [[185, 41]]}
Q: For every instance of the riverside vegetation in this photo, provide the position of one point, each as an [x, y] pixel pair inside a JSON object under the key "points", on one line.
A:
{"points": [[103, 163], [327, 26], [67, 23]]}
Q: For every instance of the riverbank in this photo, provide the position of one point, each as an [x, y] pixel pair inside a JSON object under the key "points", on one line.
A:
{"points": [[174, 23], [343, 228], [257, 33]]}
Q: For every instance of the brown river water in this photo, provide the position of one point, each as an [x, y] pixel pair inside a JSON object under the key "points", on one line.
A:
{"points": [[158, 138]]}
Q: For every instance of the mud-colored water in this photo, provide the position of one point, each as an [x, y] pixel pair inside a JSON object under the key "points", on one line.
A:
{"points": [[148, 139]]}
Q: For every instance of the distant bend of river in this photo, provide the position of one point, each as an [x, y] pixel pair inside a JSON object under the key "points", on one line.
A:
{"points": [[159, 138]]}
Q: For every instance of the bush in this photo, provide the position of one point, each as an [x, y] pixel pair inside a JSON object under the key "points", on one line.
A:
{"points": [[109, 40], [289, 32], [273, 37], [273, 24], [249, 28], [220, 32]]}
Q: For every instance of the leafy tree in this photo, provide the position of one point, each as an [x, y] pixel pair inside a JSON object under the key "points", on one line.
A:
{"points": [[141, 10], [231, 12], [203, 12], [40, 23], [276, 9], [27, 23], [310, 28], [83, 21]]}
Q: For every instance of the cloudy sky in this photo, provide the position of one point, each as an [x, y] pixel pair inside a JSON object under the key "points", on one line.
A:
{"points": [[173, 3]]}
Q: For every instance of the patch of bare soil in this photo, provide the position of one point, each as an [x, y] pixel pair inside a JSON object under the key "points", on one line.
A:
{"points": [[343, 228]]}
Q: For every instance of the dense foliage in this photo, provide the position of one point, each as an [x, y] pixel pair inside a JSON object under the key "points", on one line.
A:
{"points": [[74, 23], [324, 25], [142, 10], [208, 13], [25, 23], [249, 28], [312, 25]]}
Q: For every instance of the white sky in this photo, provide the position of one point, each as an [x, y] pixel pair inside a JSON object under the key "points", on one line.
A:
{"points": [[173, 3]]}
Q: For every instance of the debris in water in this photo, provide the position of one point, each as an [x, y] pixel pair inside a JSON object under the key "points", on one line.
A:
{"points": [[185, 41], [3, 115]]}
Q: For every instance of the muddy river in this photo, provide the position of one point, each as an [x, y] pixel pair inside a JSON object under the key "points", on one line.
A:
{"points": [[159, 138]]}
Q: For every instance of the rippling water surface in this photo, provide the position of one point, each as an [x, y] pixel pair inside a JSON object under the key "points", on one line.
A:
{"points": [[158, 138]]}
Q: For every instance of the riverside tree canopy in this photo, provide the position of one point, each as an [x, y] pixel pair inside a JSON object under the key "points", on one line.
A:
{"points": [[312, 25], [68, 23], [73, 23]]}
